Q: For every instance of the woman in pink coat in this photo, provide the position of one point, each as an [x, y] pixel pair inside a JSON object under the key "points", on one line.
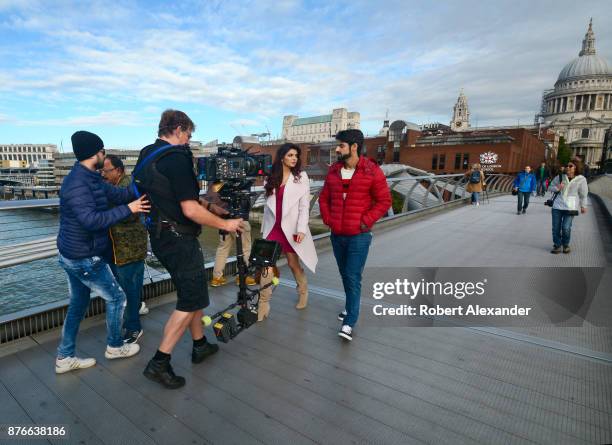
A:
{"points": [[285, 220]]}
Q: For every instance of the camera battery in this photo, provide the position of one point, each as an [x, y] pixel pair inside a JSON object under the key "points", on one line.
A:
{"points": [[230, 319], [247, 317], [226, 327]]}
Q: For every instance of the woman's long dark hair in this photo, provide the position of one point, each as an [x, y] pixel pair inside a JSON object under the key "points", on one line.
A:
{"points": [[275, 178]]}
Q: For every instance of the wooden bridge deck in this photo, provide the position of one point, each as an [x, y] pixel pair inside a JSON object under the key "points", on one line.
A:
{"points": [[291, 380]]}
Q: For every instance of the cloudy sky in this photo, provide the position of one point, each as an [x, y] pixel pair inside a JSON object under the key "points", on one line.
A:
{"points": [[236, 67]]}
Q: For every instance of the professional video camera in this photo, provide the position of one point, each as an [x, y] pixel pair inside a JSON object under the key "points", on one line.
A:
{"points": [[233, 163], [231, 173]]}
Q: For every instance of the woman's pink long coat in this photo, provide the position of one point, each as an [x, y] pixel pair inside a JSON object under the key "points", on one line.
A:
{"points": [[296, 209]]}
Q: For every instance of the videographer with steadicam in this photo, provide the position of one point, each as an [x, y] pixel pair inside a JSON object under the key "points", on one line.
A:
{"points": [[165, 172]]}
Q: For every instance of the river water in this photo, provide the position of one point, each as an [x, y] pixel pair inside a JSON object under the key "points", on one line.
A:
{"points": [[44, 281]]}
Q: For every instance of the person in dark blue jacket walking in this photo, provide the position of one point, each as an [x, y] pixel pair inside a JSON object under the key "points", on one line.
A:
{"points": [[85, 249], [524, 185]]}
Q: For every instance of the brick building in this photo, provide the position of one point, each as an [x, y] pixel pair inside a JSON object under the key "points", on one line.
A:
{"points": [[498, 151], [437, 150]]}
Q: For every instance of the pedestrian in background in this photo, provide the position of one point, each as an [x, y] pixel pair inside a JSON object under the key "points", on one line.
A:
{"points": [[542, 175], [571, 191], [524, 186], [476, 183]]}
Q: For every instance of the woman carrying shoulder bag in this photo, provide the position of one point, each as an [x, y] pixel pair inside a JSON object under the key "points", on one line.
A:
{"points": [[285, 221], [571, 197]]}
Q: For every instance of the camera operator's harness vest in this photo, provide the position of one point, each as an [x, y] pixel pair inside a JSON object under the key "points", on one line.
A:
{"points": [[146, 177]]}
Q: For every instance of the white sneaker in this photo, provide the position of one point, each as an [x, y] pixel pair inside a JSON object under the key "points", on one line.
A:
{"points": [[125, 351], [341, 315], [144, 310], [477, 204], [67, 364], [346, 332]]}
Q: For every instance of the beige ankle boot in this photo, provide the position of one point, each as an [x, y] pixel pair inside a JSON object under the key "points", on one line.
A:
{"points": [[263, 307], [302, 290]]}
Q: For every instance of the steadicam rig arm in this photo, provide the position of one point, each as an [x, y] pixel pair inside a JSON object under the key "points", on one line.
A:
{"points": [[228, 325]]}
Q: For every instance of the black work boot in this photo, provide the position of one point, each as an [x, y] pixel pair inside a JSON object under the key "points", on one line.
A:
{"points": [[160, 371], [200, 352]]}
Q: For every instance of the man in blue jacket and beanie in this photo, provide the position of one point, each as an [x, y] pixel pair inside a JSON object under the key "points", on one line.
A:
{"points": [[85, 249], [525, 185]]}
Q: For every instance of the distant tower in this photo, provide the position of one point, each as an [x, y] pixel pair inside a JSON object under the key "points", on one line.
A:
{"points": [[588, 43], [461, 114], [384, 131]]}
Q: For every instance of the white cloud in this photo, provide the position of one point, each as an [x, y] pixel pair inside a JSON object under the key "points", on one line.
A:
{"points": [[245, 123], [6, 5], [106, 118], [268, 59]]}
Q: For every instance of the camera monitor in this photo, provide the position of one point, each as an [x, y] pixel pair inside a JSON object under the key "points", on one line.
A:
{"points": [[265, 253]]}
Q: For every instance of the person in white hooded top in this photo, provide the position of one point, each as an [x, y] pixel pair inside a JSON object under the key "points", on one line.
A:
{"points": [[570, 199]]}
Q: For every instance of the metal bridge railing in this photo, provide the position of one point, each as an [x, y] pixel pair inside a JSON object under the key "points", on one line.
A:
{"points": [[426, 191], [28, 235]]}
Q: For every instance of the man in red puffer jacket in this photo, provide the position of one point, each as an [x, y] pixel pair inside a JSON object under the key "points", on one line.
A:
{"points": [[355, 195]]}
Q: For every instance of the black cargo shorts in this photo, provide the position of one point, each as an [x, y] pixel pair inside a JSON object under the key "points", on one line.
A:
{"points": [[182, 257]]}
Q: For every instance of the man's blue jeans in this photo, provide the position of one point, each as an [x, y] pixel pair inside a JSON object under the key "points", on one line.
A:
{"points": [[86, 275], [475, 197], [561, 227], [522, 200], [130, 278], [351, 253], [541, 187]]}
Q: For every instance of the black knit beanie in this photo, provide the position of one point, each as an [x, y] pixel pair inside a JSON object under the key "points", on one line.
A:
{"points": [[86, 144]]}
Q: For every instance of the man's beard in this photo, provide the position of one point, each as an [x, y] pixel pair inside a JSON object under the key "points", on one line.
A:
{"points": [[342, 158], [100, 164]]}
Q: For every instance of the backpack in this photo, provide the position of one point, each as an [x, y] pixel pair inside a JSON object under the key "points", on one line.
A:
{"points": [[146, 179], [475, 177], [154, 155]]}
